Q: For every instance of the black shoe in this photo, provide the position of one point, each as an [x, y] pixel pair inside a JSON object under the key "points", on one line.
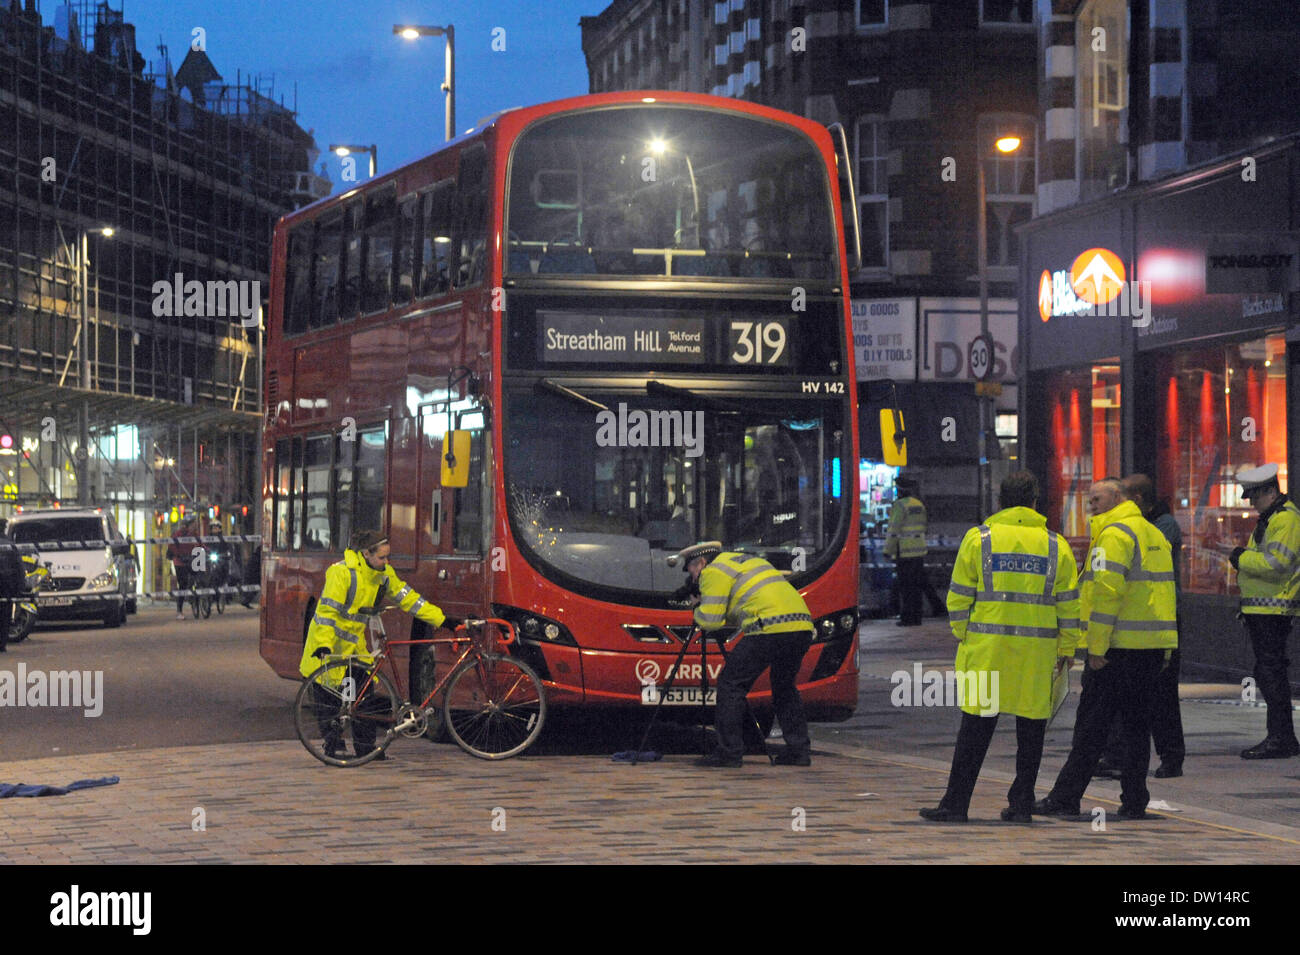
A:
{"points": [[1272, 749], [1124, 812], [718, 761], [792, 759], [1047, 807], [1016, 815], [1168, 770], [939, 814]]}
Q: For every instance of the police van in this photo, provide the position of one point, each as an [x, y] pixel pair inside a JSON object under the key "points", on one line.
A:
{"points": [[92, 575]]}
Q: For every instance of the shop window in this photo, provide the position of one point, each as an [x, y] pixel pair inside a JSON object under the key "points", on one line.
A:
{"points": [[1083, 419], [1221, 408]]}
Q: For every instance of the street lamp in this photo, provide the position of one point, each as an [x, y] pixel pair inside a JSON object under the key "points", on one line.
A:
{"points": [[83, 411], [411, 32], [346, 150], [1005, 143]]}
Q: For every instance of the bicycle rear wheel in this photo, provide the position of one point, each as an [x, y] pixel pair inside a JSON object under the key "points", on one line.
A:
{"points": [[346, 702], [494, 707]]}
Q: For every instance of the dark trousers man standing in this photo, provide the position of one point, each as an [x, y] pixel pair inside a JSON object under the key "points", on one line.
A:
{"points": [[1125, 685], [1268, 637], [755, 652], [911, 572], [973, 740]]}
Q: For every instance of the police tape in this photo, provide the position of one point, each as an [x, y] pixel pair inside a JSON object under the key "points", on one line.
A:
{"points": [[54, 598], [38, 546]]}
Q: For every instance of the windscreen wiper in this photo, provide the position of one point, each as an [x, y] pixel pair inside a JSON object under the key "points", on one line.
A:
{"points": [[554, 388]]}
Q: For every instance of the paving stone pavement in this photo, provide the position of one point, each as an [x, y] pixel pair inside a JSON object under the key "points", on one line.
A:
{"points": [[270, 802]]}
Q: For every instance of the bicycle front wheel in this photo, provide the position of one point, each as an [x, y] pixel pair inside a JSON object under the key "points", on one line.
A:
{"points": [[346, 702], [494, 707]]}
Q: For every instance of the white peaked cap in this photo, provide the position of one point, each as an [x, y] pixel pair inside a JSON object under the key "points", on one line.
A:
{"points": [[688, 554], [1251, 478]]}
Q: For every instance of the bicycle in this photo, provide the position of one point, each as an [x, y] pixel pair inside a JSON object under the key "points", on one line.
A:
{"points": [[493, 705]]}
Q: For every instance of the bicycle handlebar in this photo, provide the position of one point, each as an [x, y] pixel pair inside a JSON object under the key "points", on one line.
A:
{"points": [[508, 637]]}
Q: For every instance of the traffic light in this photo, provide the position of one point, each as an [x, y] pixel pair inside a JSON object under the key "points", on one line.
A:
{"points": [[176, 516], [6, 441]]}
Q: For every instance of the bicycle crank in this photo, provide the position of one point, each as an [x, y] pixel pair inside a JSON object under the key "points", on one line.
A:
{"points": [[412, 722]]}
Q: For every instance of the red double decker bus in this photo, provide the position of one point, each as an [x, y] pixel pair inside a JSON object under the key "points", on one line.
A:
{"points": [[636, 306]]}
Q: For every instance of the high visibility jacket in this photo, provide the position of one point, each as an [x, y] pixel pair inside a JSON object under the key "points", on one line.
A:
{"points": [[906, 537], [1014, 606], [351, 589], [749, 593], [1127, 592], [1268, 571]]}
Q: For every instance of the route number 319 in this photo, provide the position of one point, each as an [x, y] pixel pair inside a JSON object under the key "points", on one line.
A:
{"points": [[757, 343]]}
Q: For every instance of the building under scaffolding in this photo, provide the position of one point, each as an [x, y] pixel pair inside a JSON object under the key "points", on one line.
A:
{"points": [[120, 385]]}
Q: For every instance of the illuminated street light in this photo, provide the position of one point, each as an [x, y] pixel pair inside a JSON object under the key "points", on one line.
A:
{"points": [[348, 149], [412, 32]]}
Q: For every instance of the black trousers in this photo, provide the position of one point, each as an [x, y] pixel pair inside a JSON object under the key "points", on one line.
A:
{"points": [[910, 572], [1268, 637], [1166, 720], [184, 581], [973, 740], [755, 652], [328, 705], [1127, 686], [937, 605], [6, 617]]}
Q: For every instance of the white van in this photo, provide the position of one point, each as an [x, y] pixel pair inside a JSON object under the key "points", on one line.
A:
{"points": [[96, 581]]}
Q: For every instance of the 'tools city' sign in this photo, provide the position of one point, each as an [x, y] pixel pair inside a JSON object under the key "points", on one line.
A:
{"points": [[1095, 279]]}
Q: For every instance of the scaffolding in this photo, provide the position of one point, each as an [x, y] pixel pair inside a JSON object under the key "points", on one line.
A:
{"points": [[108, 394]]}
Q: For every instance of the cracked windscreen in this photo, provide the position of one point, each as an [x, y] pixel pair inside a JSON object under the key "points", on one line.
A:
{"points": [[604, 496]]}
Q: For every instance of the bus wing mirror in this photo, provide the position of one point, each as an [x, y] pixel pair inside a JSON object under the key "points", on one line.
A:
{"points": [[893, 438], [455, 459]]}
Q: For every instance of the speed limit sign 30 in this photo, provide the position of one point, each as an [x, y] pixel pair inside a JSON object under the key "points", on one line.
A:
{"points": [[980, 357]]}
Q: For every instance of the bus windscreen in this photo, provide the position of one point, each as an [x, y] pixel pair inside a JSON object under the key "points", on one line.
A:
{"points": [[668, 191]]}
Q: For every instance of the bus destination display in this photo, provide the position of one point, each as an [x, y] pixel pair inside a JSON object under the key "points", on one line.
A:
{"points": [[661, 340]]}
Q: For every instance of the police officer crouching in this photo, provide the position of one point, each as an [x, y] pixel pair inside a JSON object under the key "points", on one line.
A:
{"points": [[749, 593], [1013, 606]]}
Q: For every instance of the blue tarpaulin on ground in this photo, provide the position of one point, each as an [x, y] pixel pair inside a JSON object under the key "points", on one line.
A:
{"points": [[28, 789]]}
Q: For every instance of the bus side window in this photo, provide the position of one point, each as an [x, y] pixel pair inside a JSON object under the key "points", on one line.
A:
{"points": [[437, 239], [371, 478], [471, 214], [283, 475], [407, 259], [344, 459], [376, 288], [325, 273], [350, 268], [467, 523], [297, 303]]}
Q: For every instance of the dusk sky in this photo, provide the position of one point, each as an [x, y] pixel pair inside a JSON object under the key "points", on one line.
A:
{"points": [[359, 83]]}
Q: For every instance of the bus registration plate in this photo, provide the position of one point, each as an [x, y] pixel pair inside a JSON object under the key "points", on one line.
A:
{"points": [[678, 696]]}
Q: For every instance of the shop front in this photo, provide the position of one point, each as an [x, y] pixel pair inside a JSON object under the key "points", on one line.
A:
{"points": [[1155, 327]]}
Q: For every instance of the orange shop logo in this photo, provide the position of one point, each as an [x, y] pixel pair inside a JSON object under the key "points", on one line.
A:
{"points": [[1097, 276]]}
